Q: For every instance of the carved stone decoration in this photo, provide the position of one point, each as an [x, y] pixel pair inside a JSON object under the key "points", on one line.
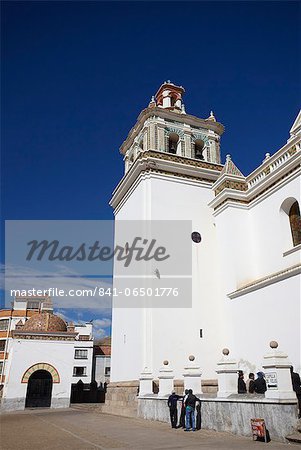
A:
{"points": [[175, 130], [200, 136]]}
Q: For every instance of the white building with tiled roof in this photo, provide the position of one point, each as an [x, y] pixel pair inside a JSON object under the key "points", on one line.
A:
{"points": [[42, 355]]}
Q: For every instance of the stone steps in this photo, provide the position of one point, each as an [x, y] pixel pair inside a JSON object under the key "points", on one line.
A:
{"points": [[118, 408], [125, 411], [86, 406]]}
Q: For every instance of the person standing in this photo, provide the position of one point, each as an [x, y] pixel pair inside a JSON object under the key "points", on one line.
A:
{"points": [[198, 420], [241, 385], [296, 382], [260, 385], [189, 411], [183, 410], [172, 403], [250, 383]]}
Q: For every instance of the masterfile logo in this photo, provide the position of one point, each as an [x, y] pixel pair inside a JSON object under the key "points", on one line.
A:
{"points": [[145, 259]]}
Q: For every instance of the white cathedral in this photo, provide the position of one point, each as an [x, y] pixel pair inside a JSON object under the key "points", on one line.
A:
{"points": [[245, 244]]}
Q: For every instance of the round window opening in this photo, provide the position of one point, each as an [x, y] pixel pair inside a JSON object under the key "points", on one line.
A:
{"points": [[196, 237]]}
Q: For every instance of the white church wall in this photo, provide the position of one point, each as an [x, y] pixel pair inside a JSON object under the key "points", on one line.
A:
{"points": [[235, 240], [251, 244], [178, 199], [127, 332], [255, 319], [127, 335], [153, 335]]}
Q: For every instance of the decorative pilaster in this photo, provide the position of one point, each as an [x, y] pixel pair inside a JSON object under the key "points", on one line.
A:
{"points": [[166, 378], [182, 144], [227, 375], [192, 376], [152, 136], [187, 146], [161, 139], [277, 374], [146, 383], [145, 139]]}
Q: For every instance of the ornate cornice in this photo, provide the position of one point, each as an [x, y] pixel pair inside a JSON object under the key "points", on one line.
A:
{"points": [[152, 162], [229, 183], [51, 336], [266, 281], [180, 159]]}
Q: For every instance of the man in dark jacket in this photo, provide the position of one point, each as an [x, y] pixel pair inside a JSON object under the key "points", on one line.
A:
{"points": [[296, 382], [260, 385], [172, 403], [189, 408]]}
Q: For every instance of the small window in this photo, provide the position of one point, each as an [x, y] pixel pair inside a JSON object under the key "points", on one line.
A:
{"points": [[295, 223], [107, 371], [4, 324], [1, 366], [81, 353], [2, 345], [79, 371]]}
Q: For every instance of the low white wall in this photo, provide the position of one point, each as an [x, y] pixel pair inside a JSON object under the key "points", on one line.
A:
{"points": [[232, 415]]}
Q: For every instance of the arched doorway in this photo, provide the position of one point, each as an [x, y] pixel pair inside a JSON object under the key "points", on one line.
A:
{"points": [[39, 389]]}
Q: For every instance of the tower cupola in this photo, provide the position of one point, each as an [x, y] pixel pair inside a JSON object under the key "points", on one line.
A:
{"points": [[169, 96]]}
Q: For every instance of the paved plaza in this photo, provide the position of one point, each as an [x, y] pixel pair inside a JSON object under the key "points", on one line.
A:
{"points": [[83, 429]]}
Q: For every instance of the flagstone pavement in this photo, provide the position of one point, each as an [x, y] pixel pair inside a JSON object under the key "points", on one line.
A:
{"points": [[75, 429]]}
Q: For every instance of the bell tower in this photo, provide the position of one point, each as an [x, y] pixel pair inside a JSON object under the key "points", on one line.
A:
{"points": [[172, 160], [165, 127]]}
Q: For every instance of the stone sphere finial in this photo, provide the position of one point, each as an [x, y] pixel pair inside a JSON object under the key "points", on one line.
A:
{"points": [[273, 344], [165, 362], [191, 358], [226, 351]]}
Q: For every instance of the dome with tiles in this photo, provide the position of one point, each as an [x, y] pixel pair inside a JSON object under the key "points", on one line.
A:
{"points": [[44, 322]]}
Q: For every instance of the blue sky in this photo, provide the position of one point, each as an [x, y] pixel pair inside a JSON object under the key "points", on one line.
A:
{"points": [[76, 75]]}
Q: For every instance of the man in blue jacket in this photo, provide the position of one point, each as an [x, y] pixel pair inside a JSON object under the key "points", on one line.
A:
{"points": [[172, 403]]}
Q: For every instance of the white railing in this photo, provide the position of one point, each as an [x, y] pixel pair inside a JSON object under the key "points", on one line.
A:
{"points": [[271, 163]]}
